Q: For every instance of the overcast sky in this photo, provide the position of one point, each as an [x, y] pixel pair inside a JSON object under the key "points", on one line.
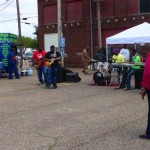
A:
{"points": [[8, 11]]}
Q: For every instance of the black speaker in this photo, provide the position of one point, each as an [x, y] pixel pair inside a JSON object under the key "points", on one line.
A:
{"points": [[61, 76], [72, 77]]}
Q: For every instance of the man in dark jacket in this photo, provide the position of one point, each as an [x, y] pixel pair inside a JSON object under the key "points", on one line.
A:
{"points": [[52, 57]]}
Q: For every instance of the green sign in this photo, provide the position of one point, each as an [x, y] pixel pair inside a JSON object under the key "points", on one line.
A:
{"points": [[8, 38]]}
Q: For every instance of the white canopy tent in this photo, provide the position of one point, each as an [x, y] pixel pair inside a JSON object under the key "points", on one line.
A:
{"points": [[139, 34]]}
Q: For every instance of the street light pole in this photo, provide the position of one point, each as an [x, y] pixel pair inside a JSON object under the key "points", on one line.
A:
{"points": [[19, 31]]}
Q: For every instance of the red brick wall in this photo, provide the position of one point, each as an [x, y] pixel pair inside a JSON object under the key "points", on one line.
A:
{"points": [[116, 16]]}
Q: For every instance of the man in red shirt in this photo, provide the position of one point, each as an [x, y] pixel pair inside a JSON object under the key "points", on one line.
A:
{"points": [[146, 90], [38, 59]]}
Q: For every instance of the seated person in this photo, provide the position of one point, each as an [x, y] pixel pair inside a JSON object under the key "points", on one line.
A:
{"points": [[117, 58], [126, 82]]}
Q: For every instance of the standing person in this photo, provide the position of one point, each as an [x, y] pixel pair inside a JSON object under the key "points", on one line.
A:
{"points": [[52, 62], [85, 59], [126, 53], [12, 63], [38, 59], [146, 89]]}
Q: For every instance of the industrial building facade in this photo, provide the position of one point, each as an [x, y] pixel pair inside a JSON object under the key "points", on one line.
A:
{"points": [[80, 23]]}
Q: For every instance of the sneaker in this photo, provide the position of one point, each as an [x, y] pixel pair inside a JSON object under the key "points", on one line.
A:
{"points": [[144, 136], [54, 85], [47, 86], [117, 88], [127, 88], [40, 83]]}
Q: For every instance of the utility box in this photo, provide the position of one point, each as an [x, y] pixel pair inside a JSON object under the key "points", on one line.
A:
{"points": [[6, 40]]}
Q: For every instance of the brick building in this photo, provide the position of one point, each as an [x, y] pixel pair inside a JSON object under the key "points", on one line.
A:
{"points": [[79, 18]]}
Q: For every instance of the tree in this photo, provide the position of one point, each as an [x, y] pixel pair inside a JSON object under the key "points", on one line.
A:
{"points": [[28, 42]]}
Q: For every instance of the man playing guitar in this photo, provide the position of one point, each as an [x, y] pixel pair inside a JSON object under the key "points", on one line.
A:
{"points": [[52, 60], [38, 59]]}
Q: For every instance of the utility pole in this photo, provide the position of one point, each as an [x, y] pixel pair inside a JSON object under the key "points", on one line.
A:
{"points": [[59, 20], [19, 31], [99, 24], [60, 34]]}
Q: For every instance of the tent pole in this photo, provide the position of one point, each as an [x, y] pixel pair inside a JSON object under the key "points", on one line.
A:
{"points": [[135, 45], [106, 53]]}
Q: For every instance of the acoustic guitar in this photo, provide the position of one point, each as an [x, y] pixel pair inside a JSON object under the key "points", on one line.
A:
{"points": [[38, 63], [51, 61]]}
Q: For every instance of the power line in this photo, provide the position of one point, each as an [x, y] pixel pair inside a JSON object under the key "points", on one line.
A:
{"points": [[28, 23], [2, 21], [7, 5], [4, 3]]}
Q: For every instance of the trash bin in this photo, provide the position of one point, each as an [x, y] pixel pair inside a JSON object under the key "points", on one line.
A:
{"points": [[138, 78]]}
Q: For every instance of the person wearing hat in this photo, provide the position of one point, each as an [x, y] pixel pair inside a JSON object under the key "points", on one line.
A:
{"points": [[117, 58], [12, 63]]}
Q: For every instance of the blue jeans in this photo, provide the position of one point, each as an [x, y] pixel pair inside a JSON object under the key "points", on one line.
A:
{"points": [[41, 71], [129, 73], [52, 74], [148, 121], [12, 68]]}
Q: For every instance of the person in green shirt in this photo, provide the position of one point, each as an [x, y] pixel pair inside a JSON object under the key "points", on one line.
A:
{"points": [[135, 59]]}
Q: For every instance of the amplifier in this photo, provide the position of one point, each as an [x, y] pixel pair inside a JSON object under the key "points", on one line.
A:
{"points": [[72, 77]]}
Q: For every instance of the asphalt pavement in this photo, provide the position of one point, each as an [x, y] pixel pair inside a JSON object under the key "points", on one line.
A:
{"points": [[75, 116]]}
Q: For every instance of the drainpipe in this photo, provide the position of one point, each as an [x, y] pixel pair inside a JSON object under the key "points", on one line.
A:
{"points": [[91, 29], [99, 24]]}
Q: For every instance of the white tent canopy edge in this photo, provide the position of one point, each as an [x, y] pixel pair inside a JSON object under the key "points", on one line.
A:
{"points": [[139, 34]]}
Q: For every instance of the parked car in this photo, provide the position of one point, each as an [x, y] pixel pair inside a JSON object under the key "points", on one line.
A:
{"points": [[28, 55]]}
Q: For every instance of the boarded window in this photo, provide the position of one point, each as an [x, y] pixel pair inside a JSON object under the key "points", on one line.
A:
{"points": [[50, 14], [144, 6], [75, 11]]}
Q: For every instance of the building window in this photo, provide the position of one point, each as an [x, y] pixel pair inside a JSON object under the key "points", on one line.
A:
{"points": [[50, 14], [144, 6], [75, 11]]}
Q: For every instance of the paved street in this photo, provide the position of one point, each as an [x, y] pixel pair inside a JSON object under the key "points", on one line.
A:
{"points": [[76, 116]]}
